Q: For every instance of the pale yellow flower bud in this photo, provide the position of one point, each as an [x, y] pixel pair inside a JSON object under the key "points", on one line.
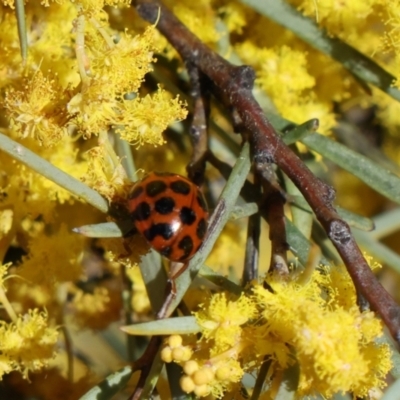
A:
{"points": [[222, 373], [203, 376], [187, 353], [187, 384], [190, 367], [175, 341], [166, 354], [202, 390], [177, 353]]}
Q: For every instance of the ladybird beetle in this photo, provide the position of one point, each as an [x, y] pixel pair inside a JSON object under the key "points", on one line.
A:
{"points": [[171, 213]]}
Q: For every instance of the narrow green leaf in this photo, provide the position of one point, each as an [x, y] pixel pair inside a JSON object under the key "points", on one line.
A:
{"points": [[21, 24], [374, 175], [125, 153], [351, 136], [219, 280], [355, 220], [300, 131], [386, 223], [243, 211], [43, 167], [280, 124], [302, 215], [305, 28], [155, 278], [105, 230], [392, 392], [168, 326], [380, 179], [298, 243], [109, 386]]}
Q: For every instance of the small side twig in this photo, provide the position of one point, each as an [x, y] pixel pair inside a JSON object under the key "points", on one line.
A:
{"points": [[69, 351], [261, 377], [199, 125], [272, 206], [144, 364], [252, 254]]}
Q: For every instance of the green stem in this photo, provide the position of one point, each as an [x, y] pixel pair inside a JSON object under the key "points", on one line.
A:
{"points": [[21, 23], [80, 51], [49, 171], [107, 38], [124, 152]]}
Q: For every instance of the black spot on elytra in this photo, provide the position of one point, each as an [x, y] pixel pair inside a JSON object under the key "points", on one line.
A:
{"points": [[187, 216], [186, 244], [201, 229], [141, 212], [165, 205], [156, 187], [137, 191], [202, 203], [180, 187], [166, 251], [163, 230]]}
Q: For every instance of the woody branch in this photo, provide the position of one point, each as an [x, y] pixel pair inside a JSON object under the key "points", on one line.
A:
{"points": [[236, 84]]}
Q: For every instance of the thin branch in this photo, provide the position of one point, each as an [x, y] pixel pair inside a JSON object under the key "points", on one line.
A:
{"points": [[252, 255], [272, 206], [261, 378], [199, 125], [144, 364], [237, 83]]}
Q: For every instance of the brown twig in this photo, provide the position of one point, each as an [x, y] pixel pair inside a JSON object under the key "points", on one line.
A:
{"points": [[236, 83], [199, 126], [144, 365], [271, 210], [272, 206], [250, 270], [126, 297]]}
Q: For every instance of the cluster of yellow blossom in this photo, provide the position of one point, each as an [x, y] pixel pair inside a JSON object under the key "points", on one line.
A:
{"points": [[38, 106], [96, 309], [27, 344], [81, 79], [316, 326]]}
